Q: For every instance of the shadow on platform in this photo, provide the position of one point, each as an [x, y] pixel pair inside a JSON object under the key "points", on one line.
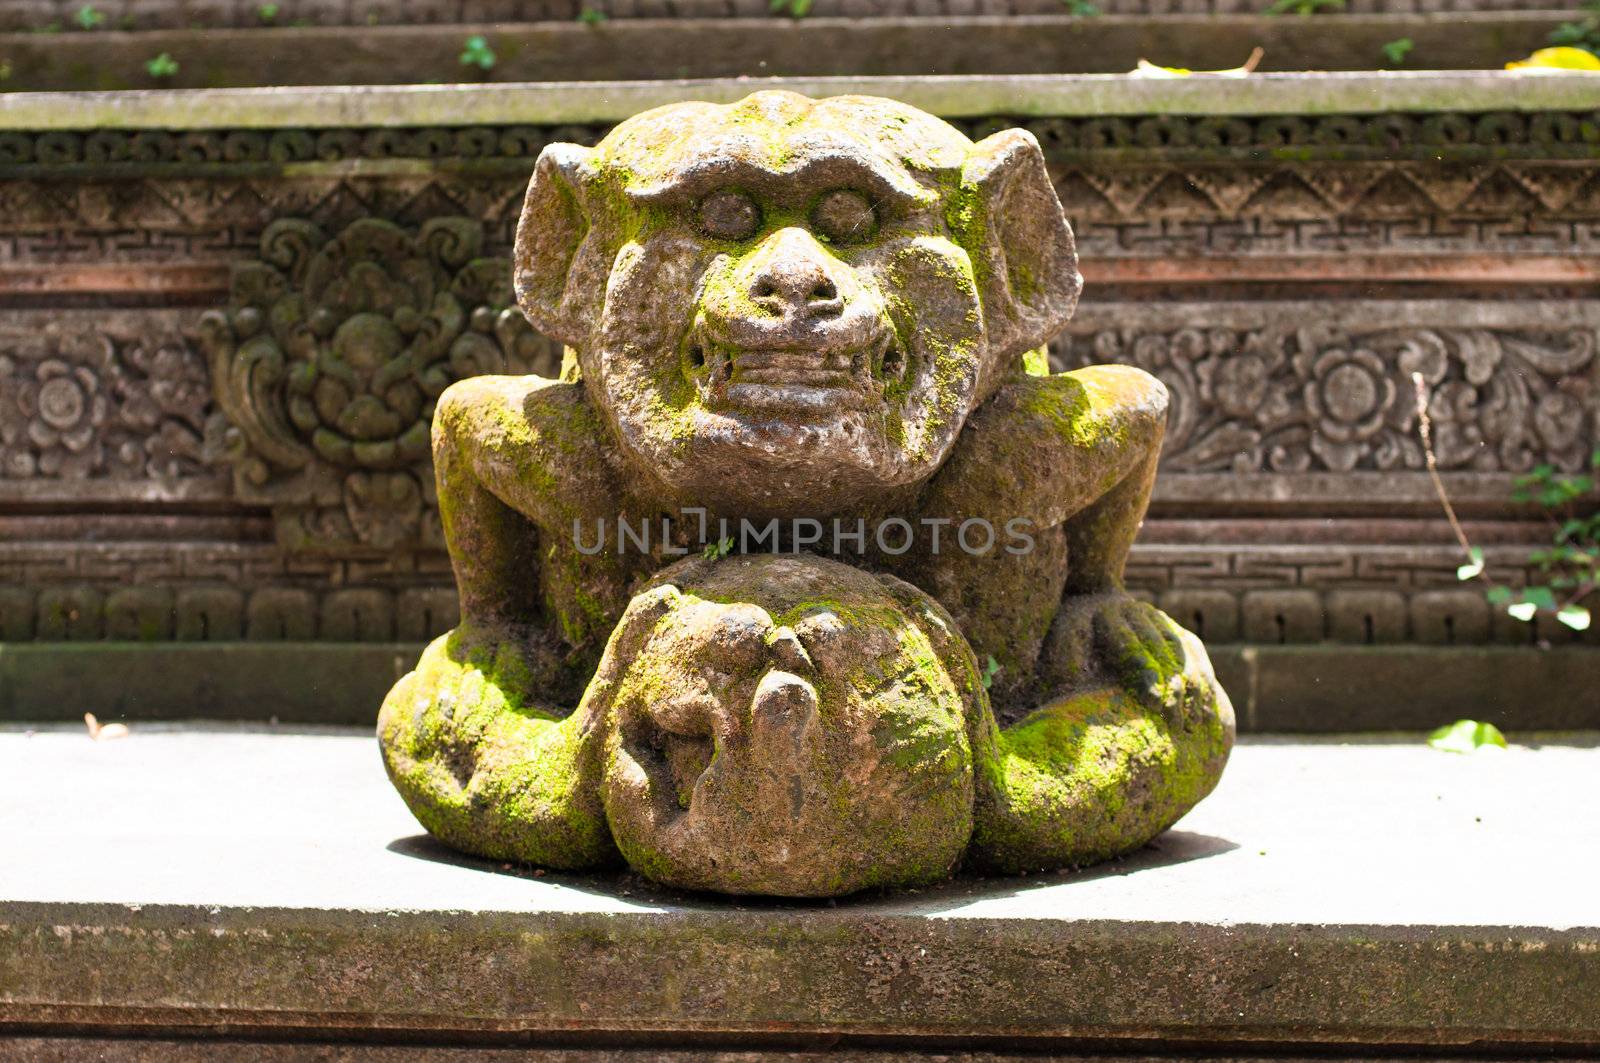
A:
{"points": [[1170, 849]]}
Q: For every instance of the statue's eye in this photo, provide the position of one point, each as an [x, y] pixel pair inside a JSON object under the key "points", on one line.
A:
{"points": [[729, 215], [844, 216]]}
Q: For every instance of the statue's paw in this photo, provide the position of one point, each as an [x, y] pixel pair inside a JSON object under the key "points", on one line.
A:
{"points": [[1139, 732], [484, 766], [1118, 638]]}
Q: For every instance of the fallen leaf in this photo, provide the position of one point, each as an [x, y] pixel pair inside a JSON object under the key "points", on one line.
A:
{"points": [[1147, 69], [103, 732], [1547, 60]]}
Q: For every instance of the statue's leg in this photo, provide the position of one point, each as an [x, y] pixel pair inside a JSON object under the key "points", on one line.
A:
{"points": [[1134, 728], [480, 739]]}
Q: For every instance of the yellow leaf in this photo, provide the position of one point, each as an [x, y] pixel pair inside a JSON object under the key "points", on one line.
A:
{"points": [[1147, 69], [1548, 59]]}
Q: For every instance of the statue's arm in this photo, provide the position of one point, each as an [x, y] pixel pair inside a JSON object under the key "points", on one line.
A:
{"points": [[498, 449], [1075, 450]]}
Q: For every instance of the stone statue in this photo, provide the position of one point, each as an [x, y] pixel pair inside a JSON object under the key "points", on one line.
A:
{"points": [[821, 322]]}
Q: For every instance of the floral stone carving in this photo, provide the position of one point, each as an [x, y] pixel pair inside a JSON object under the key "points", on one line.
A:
{"points": [[790, 318], [82, 403], [328, 362], [1320, 397]]}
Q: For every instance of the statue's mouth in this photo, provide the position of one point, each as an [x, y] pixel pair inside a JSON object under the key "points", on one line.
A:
{"points": [[794, 377]]}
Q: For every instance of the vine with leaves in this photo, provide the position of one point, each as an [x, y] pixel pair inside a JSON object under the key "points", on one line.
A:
{"points": [[1569, 567]]}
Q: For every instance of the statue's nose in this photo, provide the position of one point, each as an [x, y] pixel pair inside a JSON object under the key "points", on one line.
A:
{"points": [[794, 278]]}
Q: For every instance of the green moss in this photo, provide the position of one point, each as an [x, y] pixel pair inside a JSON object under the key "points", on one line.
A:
{"points": [[487, 769], [1089, 777]]}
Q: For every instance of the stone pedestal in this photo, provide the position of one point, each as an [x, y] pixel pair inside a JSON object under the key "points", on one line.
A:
{"points": [[1354, 898]]}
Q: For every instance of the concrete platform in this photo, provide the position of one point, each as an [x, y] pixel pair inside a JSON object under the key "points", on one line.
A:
{"points": [[270, 886]]}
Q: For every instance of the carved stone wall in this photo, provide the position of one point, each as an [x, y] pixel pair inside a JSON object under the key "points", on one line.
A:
{"points": [[219, 351]]}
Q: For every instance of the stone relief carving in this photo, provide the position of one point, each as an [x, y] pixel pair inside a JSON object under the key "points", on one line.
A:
{"points": [[80, 403], [1288, 400], [329, 359], [1140, 188], [1339, 138]]}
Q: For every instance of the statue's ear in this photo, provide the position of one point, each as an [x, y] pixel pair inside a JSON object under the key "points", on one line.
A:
{"points": [[555, 219], [1020, 241]]}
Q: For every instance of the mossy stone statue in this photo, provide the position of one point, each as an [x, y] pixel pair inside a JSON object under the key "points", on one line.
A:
{"points": [[814, 327]]}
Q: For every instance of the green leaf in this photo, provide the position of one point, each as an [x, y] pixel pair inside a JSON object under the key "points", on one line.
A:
{"points": [[88, 18], [1569, 33], [721, 548], [1574, 616], [1523, 611], [1467, 736], [1498, 595], [1474, 567], [1396, 50], [478, 53], [990, 670], [162, 66], [1539, 597]]}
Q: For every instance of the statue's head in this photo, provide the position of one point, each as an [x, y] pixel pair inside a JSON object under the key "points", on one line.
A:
{"points": [[790, 302]]}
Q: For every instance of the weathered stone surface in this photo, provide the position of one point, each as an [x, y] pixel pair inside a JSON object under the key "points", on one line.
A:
{"points": [[783, 315], [196, 879]]}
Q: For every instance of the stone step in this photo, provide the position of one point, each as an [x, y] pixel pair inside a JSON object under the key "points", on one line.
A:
{"points": [[1353, 896], [641, 48], [1296, 688]]}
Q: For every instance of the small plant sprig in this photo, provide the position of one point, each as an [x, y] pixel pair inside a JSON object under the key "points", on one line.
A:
{"points": [[1467, 736], [162, 66], [478, 53], [591, 16], [719, 549], [1396, 50], [796, 9], [1583, 32], [267, 12], [1080, 8], [1302, 7], [1570, 567], [88, 18]]}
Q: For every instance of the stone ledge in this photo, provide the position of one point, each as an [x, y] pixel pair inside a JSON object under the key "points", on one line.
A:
{"points": [[1309, 688], [1338, 895], [953, 96]]}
